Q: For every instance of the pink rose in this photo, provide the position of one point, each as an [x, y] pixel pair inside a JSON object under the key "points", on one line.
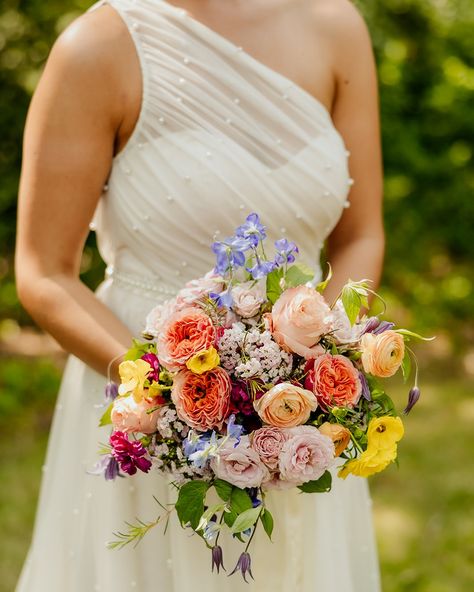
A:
{"points": [[129, 416], [241, 465], [183, 335], [268, 442], [202, 400], [158, 316], [248, 297], [306, 455], [199, 288], [336, 381], [298, 320]]}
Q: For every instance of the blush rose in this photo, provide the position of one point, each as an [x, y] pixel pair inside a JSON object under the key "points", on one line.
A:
{"points": [[129, 416], [239, 465]]}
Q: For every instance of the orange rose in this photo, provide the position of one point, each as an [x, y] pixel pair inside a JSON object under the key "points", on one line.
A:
{"points": [[382, 354], [336, 381], [286, 405], [202, 400], [298, 319], [184, 334], [340, 435]]}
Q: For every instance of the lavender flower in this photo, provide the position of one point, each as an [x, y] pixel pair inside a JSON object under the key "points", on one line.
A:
{"points": [[384, 326], [376, 326], [261, 269], [217, 559], [234, 430], [106, 466], [252, 230], [224, 299], [152, 359], [413, 397], [244, 565], [285, 251], [129, 455], [111, 391]]}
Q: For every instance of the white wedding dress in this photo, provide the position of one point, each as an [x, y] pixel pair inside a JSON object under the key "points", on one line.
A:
{"points": [[219, 135]]}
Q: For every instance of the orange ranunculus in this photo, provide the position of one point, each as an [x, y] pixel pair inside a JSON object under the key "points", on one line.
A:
{"points": [[340, 435], [299, 318], [382, 354], [286, 405], [202, 400], [184, 334], [336, 381]]}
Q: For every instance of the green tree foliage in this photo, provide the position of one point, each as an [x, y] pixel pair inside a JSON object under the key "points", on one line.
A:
{"points": [[425, 53]]}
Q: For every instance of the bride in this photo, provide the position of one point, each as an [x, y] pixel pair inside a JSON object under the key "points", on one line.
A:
{"points": [[161, 125]]}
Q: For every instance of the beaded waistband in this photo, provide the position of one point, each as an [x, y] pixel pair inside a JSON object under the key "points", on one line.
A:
{"points": [[150, 287]]}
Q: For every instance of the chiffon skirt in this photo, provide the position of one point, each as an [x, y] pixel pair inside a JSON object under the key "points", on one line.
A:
{"points": [[320, 541]]}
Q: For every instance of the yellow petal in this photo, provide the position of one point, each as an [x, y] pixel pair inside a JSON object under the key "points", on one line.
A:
{"points": [[203, 361], [384, 432]]}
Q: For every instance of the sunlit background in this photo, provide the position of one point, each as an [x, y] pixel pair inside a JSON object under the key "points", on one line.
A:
{"points": [[424, 509]]}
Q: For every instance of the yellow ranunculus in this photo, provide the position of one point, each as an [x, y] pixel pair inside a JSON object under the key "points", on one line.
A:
{"points": [[384, 432], [203, 361], [369, 463], [133, 376]]}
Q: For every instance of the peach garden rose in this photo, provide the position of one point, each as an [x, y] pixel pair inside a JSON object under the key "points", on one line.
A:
{"points": [[336, 381], [186, 333], [298, 319], [286, 405], [129, 416], [202, 400]]}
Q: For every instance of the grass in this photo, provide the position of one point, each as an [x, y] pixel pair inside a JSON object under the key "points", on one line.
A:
{"points": [[423, 510]]}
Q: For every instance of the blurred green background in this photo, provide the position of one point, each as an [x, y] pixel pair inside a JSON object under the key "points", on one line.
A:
{"points": [[424, 510]]}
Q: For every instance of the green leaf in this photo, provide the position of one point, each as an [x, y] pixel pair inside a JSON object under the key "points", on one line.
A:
{"points": [[273, 285], [190, 504], [267, 521], [322, 285], [384, 402], [351, 302], [322, 485], [246, 520], [406, 365], [138, 349], [223, 489], [239, 502], [298, 274], [106, 417]]}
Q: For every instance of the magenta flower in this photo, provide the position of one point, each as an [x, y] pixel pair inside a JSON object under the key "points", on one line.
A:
{"points": [[154, 374], [129, 455], [241, 401]]}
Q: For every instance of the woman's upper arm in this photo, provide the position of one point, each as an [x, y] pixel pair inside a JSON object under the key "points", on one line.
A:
{"points": [[356, 116], [68, 145]]}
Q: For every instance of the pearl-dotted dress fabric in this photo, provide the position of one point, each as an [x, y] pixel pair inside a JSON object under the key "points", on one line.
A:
{"points": [[219, 135]]}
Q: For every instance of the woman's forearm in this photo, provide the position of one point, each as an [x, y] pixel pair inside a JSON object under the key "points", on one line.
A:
{"points": [[356, 260], [64, 307]]}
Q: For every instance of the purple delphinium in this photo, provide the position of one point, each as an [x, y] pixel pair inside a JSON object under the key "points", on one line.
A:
{"points": [[152, 359], [129, 455], [230, 253], [244, 565], [234, 430], [261, 268], [252, 230], [285, 251], [223, 299]]}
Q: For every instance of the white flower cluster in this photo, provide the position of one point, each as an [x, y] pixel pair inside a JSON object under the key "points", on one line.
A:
{"points": [[169, 424], [251, 353]]}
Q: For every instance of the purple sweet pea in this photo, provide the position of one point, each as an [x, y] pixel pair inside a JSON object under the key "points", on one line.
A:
{"points": [[285, 251], [365, 387], [384, 326], [244, 565], [106, 466], [252, 230], [376, 326], [152, 359], [129, 455]]}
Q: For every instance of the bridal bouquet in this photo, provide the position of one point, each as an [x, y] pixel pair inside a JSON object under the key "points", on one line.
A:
{"points": [[249, 380]]}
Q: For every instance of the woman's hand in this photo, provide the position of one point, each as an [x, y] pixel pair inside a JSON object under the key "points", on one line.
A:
{"points": [[356, 245], [81, 108]]}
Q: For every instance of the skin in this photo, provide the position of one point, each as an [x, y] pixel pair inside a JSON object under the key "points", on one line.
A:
{"points": [[85, 108]]}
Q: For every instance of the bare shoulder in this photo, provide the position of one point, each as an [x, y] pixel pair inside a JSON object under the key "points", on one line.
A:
{"points": [[344, 30]]}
